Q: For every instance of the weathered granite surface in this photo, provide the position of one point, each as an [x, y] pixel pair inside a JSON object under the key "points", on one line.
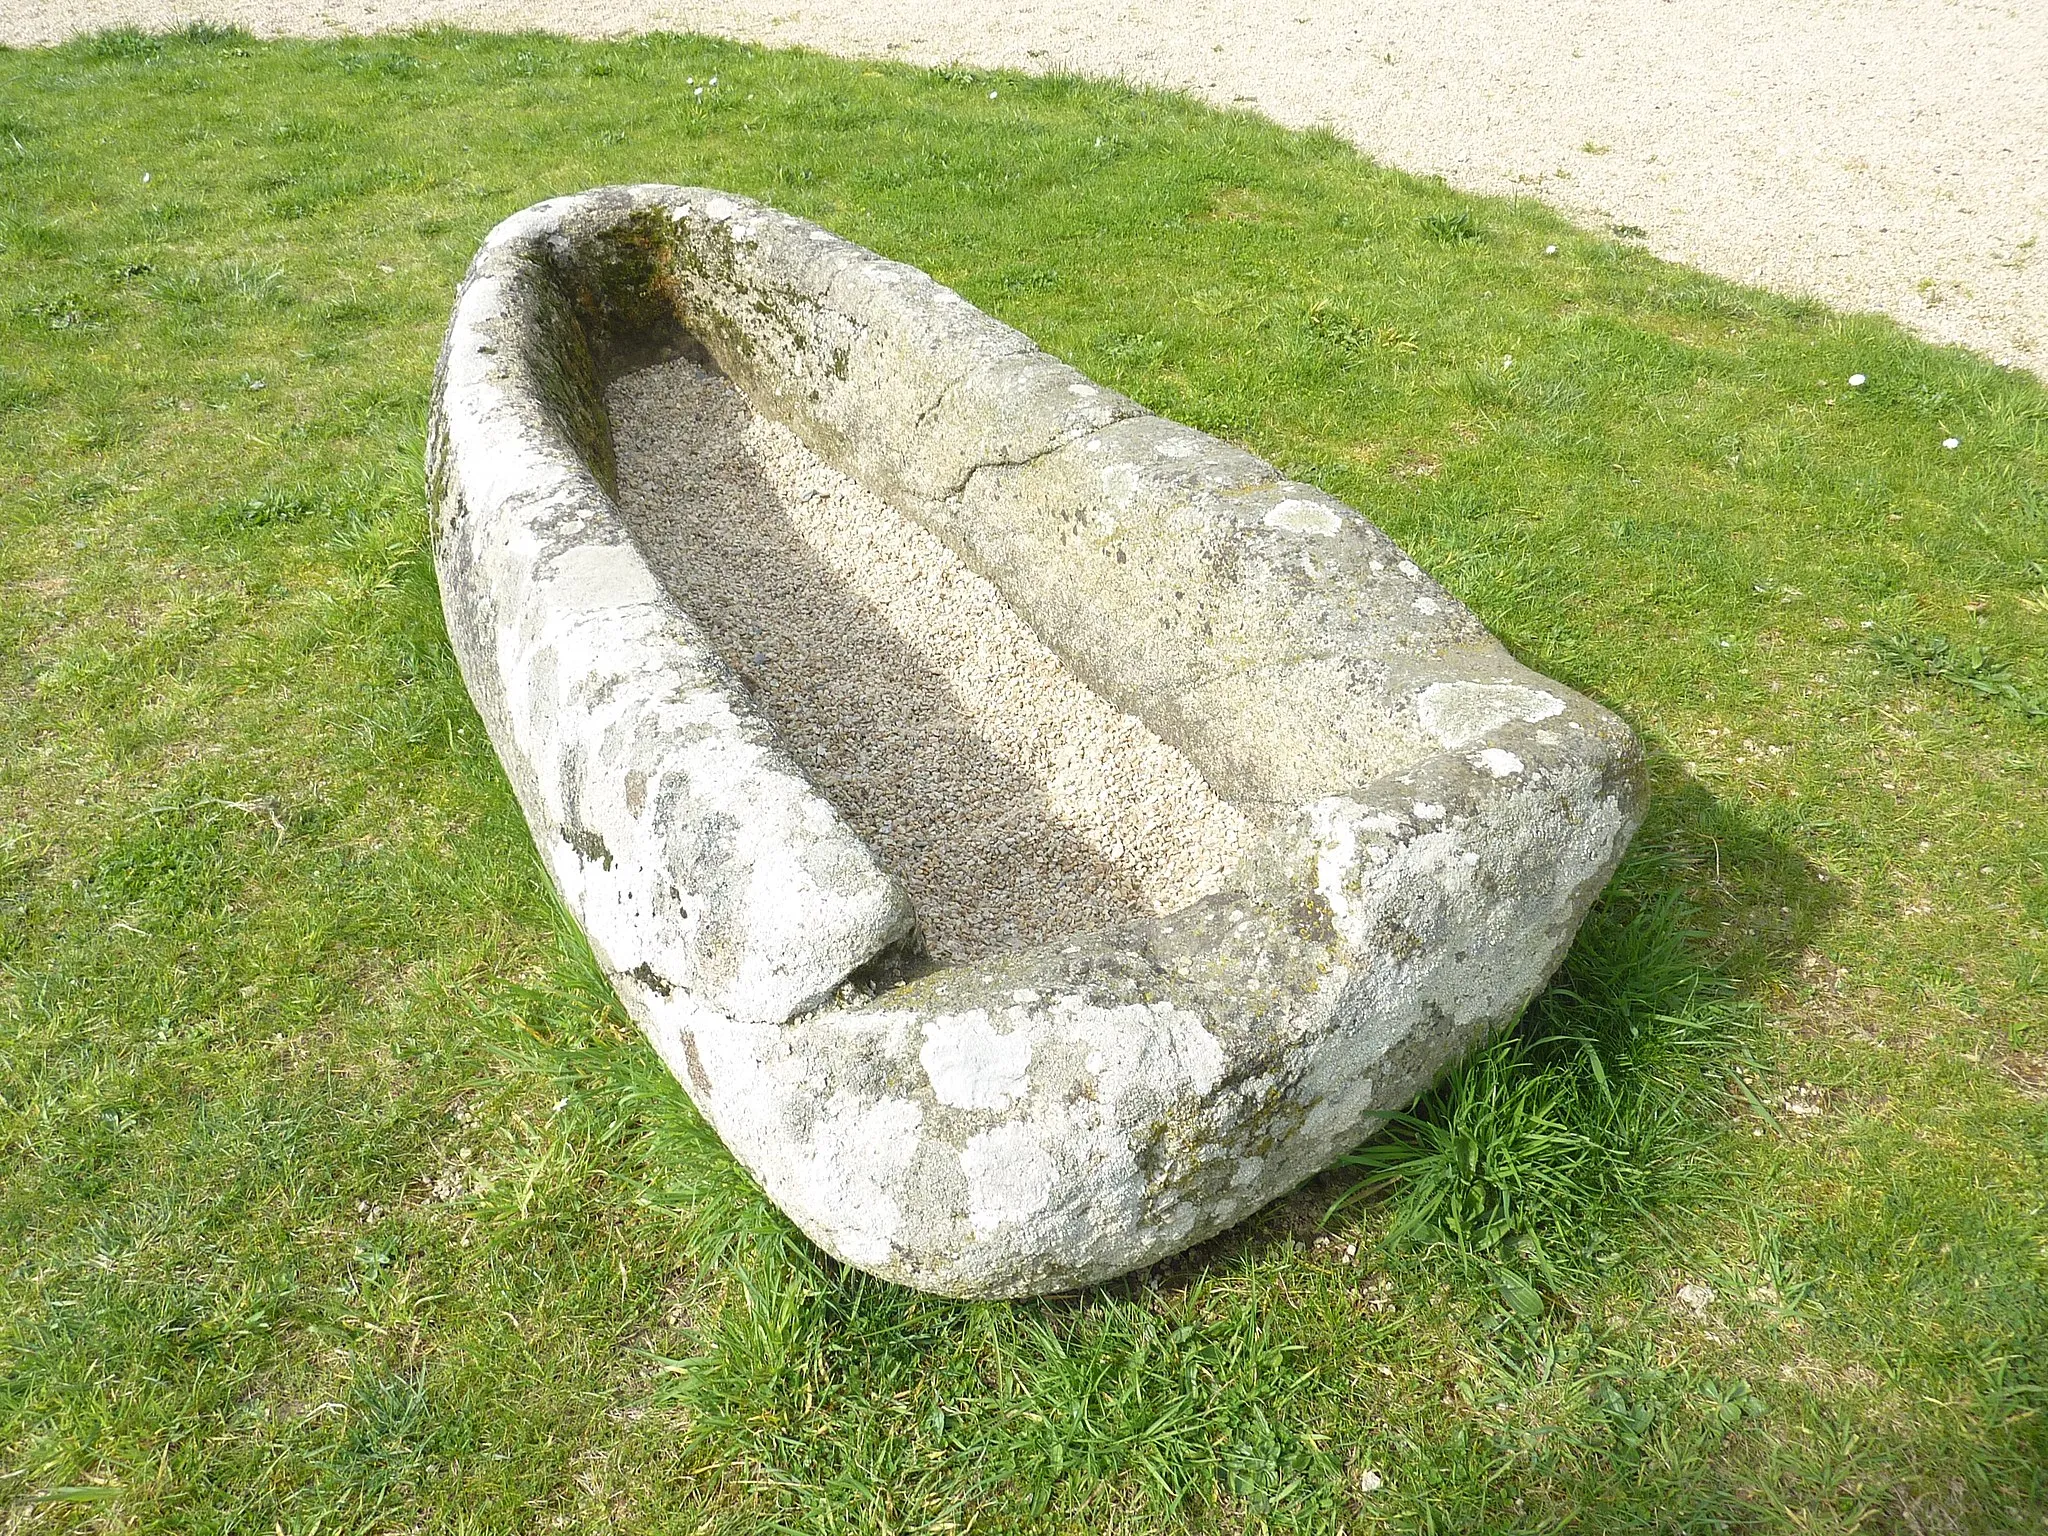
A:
{"points": [[1437, 817]]}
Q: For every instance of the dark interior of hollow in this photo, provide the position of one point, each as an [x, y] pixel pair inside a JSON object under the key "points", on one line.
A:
{"points": [[609, 309]]}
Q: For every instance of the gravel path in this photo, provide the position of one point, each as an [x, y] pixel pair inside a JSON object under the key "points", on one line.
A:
{"points": [[1013, 802], [1881, 154]]}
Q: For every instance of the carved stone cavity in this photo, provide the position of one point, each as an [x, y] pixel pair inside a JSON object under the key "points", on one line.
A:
{"points": [[1390, 829]]}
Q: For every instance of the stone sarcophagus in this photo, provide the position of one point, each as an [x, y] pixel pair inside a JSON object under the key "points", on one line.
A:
{"points": [[674, 435]]}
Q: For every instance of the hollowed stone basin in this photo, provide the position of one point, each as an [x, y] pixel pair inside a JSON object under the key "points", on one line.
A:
{"points": [[1427, 819]]}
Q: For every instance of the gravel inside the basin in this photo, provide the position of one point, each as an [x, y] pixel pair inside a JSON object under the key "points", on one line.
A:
{"points": [[1014, 803]]}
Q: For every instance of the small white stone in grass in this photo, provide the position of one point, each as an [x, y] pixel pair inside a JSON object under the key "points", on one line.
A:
{"points": [[714, 79], [1370, 1481], [1951, 442], [991, 95], [1857, 381], [1550, 250]]}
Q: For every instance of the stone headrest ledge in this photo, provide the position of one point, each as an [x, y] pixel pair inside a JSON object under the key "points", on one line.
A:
{"points": [[1333, 836]]}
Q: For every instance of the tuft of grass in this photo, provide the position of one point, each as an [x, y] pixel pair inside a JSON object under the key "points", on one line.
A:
{"points": [[1452, 228], [1972, 669]]}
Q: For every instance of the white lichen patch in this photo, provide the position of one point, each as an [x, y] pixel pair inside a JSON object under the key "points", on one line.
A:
{"points": [[1010, 1176], [1298, 516], [1142, 1047], [972, 1065], [1459, 714], [858, 1153]]}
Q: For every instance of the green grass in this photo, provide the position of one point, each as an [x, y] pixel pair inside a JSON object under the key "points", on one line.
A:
{"points": [[334, 1194]]}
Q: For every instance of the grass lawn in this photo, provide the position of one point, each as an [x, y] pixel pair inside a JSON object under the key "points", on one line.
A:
{"points": [[336, 1196]]}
